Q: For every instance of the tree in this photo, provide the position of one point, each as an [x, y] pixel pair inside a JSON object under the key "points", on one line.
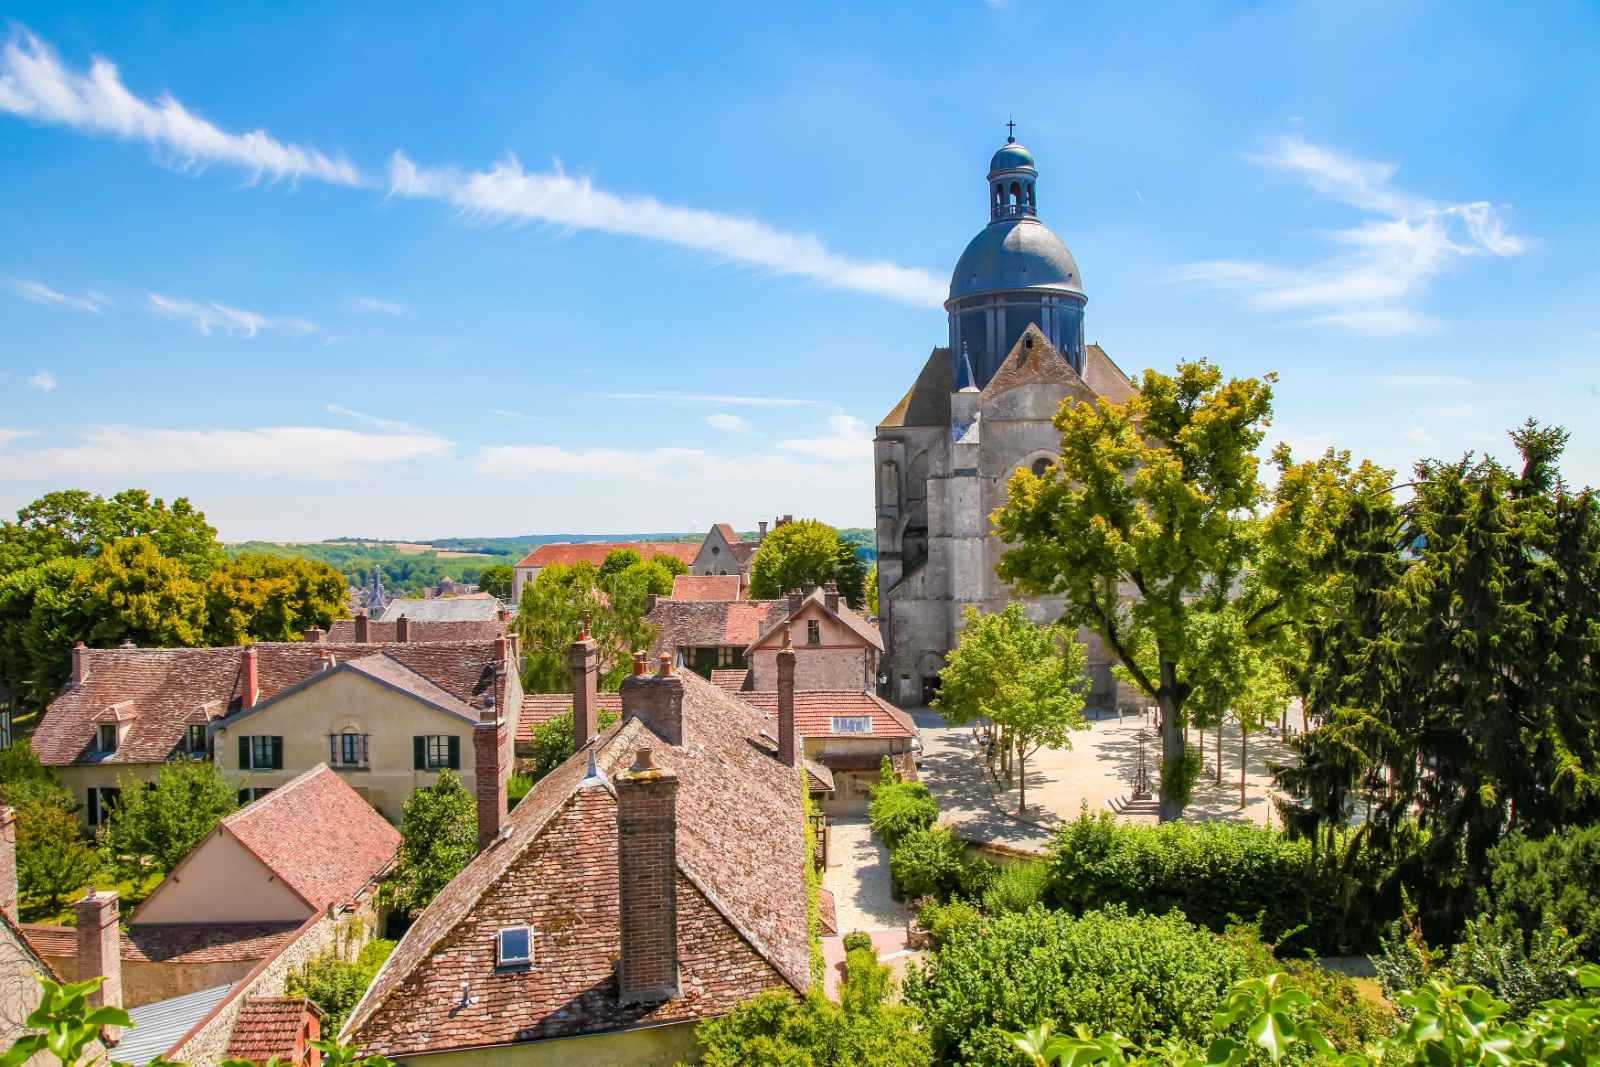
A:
{"points": [[496, 580], [438, 835], [618, 560], [1027, 680], [672, 564], [870, 589], [132, 592], [156, 824], [553, 743], [549, 618], [1148, 516], [270, 598], [78, 525], [53, 859], [802, 554]]}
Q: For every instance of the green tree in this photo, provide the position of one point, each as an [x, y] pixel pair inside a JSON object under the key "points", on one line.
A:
{"points": [[870, 589], [1027, 680], [156, 824], [439, 834], [1148, 516], [76, 524], [270, 598], [549, 618], [553, 740], [496, 580], [672, 564], [53, 859], [132, 592], [805, 553], [617, 561]]}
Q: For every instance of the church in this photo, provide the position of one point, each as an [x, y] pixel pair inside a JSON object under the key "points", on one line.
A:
{"points": [[979, 410]]}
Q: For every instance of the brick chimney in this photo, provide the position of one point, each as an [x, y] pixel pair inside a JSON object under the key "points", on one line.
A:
{"points": [[490, 770], [402, 629], [100, 949], [252, 679], [762, 536], [830, 595], [80, 663], [647, 881], [8, 862], [788, 741], [314, 635], [657, 698], [362, 629], [584, 664]]}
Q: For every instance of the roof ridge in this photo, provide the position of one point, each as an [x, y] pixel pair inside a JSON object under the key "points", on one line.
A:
{"points": [[275, 794]]}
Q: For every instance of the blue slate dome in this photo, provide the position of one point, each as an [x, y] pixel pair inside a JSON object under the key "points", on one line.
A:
{"points": [[1011, 157], [1015, 254]]}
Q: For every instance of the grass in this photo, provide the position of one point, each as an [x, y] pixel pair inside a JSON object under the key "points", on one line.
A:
{"points": [[38, 911]]}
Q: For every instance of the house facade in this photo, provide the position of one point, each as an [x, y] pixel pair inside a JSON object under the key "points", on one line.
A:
{"points": [[848, 732], [593, 553]]}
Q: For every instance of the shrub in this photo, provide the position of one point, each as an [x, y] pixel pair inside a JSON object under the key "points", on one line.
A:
{"points": [[1018, 887], [553, 740], [1521, 968], [977, 876], [1555, 878], [438, 835], [336, 984], [899, 808], [866, 981], [857, 939], [944, 921], [517, 787], [928, 863], [1149, 978]]}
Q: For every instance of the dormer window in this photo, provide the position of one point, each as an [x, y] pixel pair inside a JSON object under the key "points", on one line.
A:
{"points": [[106, 737], [196, 739], [514, 946]]}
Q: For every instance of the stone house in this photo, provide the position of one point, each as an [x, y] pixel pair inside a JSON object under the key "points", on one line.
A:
{"points": [[848, 732]]}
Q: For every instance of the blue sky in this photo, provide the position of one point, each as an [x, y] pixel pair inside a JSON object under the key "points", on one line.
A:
{"points": [[606, 268]]}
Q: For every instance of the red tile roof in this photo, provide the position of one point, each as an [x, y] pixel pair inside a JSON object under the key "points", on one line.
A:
{"points": [[814, 711], [317, 836], [169, 688], [731, 680], [729, 534], [187, 943], [861, 627], [741, 898], [540, 708], [595, 552], [704, 623], [705, 587], [270, 1026], [417, 632]]}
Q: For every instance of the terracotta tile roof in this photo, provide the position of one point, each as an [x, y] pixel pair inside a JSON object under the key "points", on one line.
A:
{"points": [[169, 688], [707, 623], [35, 950], [814, 710], [595, 552], [318, 836], [744, 551], [861, 627], [732, 680], [705, 587], [729, 534], [540, 708], [741, 898], [418, 631], [187, 943], [270, 1026]]}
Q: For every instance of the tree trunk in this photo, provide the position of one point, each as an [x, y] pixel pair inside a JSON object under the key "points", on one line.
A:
{"points": [[1171, 745], [1244, 759], [1022, 780], [1202, 745], [1219, 753]]}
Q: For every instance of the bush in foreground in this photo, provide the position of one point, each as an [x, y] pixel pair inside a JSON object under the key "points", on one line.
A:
{"points": [[1554, 879]]}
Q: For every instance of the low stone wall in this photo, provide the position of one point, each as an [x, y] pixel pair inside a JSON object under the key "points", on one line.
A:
{"points": [[145, 982]]}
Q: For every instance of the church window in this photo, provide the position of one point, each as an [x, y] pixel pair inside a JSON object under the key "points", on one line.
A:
{"points": [[1016, 193], [1040, 465]]}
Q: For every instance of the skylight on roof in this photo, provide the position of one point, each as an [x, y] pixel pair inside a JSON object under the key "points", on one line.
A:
{"points": [[852, 724]]}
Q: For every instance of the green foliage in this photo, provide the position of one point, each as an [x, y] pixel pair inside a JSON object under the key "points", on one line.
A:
{"points": [[406, 571], [551, 612], [336, 984], [803, 554], [856, 939], [158, 823], [53, 859], [497, 580], [870, 590], [1214, 873], [63, 1025], [517, 787], [554, 744], [813, 884], [1521, 968], [943, 921], [267, 598], [1179, 773], [73, 524], [928, 863], [977, 877], [617, 561], [439, 834], [1017, 887], [899, 808], [1553, 879]]}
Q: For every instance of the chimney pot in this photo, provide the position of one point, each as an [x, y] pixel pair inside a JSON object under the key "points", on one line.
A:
{"points": [[762, 536], [664, 664], [8, 862], [638, 663], [100, 950], [252, 679], [363, 631], [402, 630], [80, 663], [314, 635]]}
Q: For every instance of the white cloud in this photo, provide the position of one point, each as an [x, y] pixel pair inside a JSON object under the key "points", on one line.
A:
{"points": [[1418, 435], [1386, 263], [7, 436], [308, 452], [378, 307], [371, 420], [797, 463], [44, 381], [723, 420], [716, 398], [36, 85], [508, 192], [849, 439], [1422, 381], [236, 322], [39, 293]]}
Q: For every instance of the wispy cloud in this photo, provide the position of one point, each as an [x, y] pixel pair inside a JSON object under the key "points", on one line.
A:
{"points": [[506, 191], [36, 85], [848, 439], [669, 466], [378, 307], [507, 413], [307, 452], [1383, 266], [723, 420], [391, 425], [44, 381], [716, 398], [39, 293], [7, 436], [236, 322], [1422, 381]]}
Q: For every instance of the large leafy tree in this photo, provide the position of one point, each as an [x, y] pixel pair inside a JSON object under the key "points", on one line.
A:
{"points": [[76, 524], [1025, 679], [803, 554], [552, 611], [1148, 517], [439, 834], [156, 824], [270, 598], [496, 580]]}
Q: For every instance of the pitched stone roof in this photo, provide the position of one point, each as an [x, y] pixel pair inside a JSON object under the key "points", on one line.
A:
{"points": [[317, 836], [1104, 376], [713, 623], [187, 943], [927, 403], [730, 680], [741, 898], [270, 1026], [814, 711], [167, 689], [343, 631], [595, 552], [861, 627], [705, 587], [540, 708], [1033, 360], [477, 607]]}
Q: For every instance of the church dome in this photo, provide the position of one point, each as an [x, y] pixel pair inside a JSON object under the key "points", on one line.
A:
{"points": [[1018, 253], [1011, 157]]}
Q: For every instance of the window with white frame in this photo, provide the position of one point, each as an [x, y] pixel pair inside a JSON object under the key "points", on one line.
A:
{"points": [[852, 724], [106, 737], [514, 946], [813, 632]]}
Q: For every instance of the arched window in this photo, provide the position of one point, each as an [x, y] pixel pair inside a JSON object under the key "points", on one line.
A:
{"points": [[1016, 193], [1031, 201], [1040, 465]]}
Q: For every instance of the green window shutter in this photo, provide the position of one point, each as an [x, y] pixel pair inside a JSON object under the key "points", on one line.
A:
{"points": [[419, 753], [244, 753], [277, 753], [243, 799], [94, 806], [455, 753]]}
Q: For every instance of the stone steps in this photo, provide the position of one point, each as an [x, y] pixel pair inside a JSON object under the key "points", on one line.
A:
{"points": [[1125, 805]]}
